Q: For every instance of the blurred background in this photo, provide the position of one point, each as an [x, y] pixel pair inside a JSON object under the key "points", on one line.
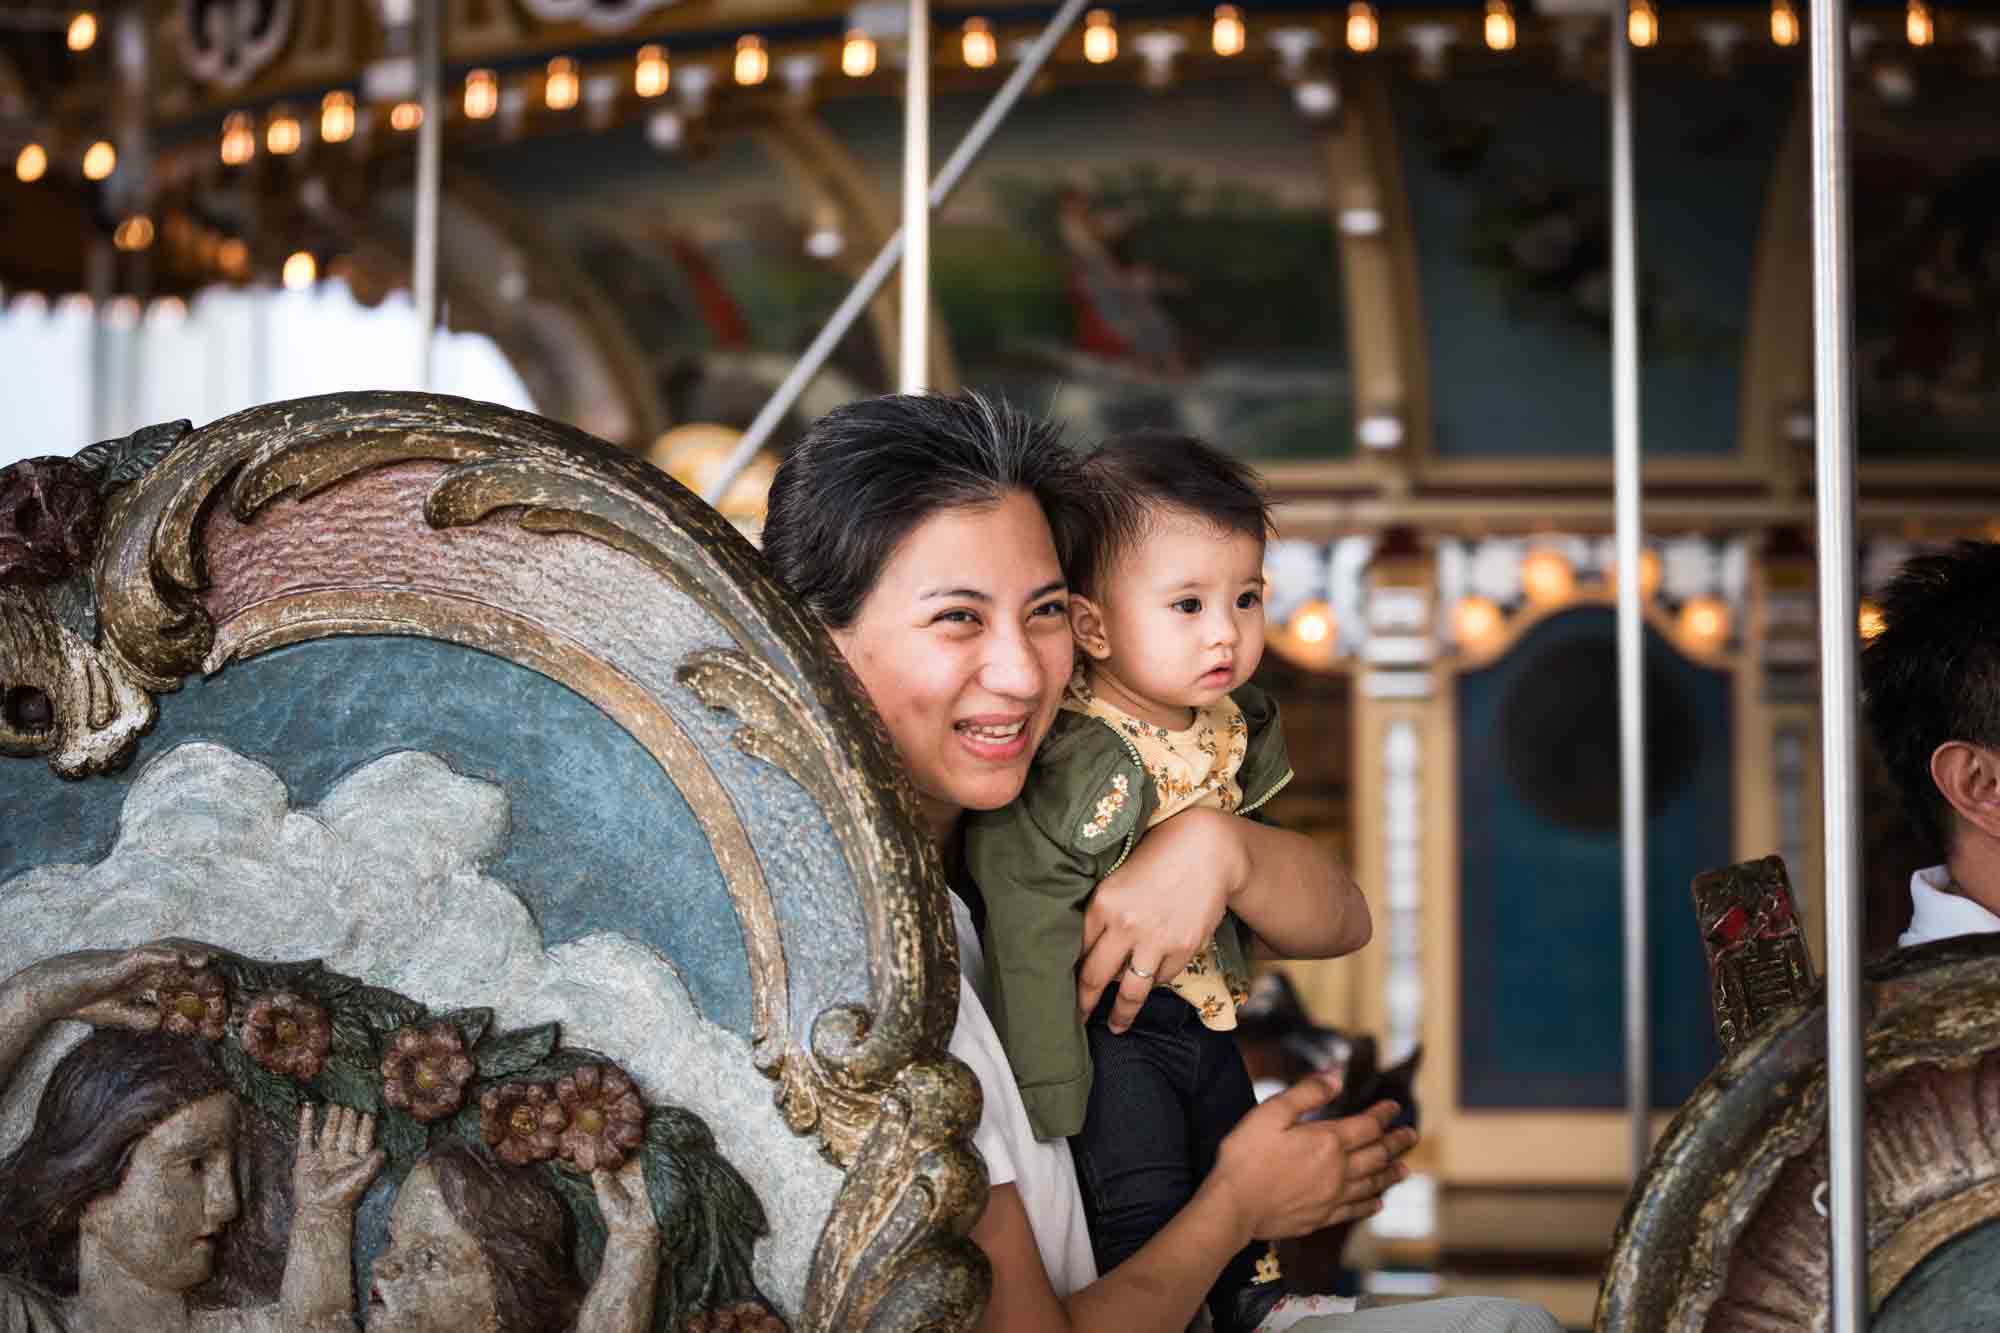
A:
{"points": [[1363, 245]]}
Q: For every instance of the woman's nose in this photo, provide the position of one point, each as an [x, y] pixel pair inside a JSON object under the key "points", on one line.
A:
{"points": [[1012, 668], [221, 1202]]}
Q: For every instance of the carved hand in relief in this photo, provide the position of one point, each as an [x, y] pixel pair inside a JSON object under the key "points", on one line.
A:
{"points": [[335, 1165]]}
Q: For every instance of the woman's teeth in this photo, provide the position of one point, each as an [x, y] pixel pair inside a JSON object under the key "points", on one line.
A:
{"points": [[987, 733]]}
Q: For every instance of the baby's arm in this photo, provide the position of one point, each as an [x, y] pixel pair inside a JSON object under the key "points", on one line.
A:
{"points": [[621, 1300], [329, 1176]]}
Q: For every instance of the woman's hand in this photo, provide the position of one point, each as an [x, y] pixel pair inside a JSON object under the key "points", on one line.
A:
{"points": [[1155, 912], [332, 1168], [112, 988], [1287, 1177], [626, 1205]]}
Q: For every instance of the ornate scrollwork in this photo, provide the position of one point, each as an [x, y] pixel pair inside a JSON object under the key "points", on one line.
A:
{"points": [[603, 15], [229, 42]]}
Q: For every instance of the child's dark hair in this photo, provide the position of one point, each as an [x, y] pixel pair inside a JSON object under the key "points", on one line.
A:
{"points": [[1131, 479], [1933, 672]]}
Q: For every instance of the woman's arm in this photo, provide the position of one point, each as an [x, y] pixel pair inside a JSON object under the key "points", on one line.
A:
{"points": [[330, 1173], [103, 987], [621, 1299], [1158, 909], [1275, 1177]]}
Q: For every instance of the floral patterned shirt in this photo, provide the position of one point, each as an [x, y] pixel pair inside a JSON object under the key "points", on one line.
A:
{"points": [[1194, 767]]}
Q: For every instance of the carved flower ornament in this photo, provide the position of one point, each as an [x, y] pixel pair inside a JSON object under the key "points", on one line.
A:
{"points": [[425, 1072], [741, 1317], [193, 1002], [49, 510], [607, 1121], [288, 1035], [522, 1123]]}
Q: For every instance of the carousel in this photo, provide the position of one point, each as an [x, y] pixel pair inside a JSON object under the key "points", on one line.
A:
{"points": [[1603, 361]]}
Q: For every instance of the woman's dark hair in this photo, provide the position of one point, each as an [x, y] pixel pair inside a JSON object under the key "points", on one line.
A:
{"points": [[523, 1229], [1933, 673], [1131, 479], [104, 1096], [865, 475]]}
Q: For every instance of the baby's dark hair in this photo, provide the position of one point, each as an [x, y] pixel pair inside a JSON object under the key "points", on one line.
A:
{"points": [[1130, 480]]}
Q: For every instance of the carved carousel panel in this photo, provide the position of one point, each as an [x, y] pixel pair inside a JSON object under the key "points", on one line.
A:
{"points": [[1727, 1230], [446, 881]]}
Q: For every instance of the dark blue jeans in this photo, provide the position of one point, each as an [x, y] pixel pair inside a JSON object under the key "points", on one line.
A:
{"points": [[1165, 1092]]}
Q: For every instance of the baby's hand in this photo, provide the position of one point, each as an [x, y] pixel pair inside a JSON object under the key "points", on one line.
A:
{"points": [[334, 1166]]}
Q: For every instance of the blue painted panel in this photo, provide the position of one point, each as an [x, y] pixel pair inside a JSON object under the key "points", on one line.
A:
{"points": [[600, 840], [1956, 1289], [1541, 989]]}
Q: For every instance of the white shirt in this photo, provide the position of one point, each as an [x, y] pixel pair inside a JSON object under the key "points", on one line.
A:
{"points": [[1936, 913], [1043, 1172]]}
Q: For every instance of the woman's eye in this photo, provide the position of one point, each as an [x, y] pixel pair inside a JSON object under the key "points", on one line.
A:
{"points": [[959, 617], [1188, 606], [426, 1260], [1051, 609]]}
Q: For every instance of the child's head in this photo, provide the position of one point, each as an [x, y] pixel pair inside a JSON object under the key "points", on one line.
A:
{"points": [[1167, 582]]}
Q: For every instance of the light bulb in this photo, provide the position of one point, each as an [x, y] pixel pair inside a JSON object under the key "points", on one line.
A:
{"points": [[406, 116], [857, 55], [1784, 23], [1918, 24], [283, 135], [1499, 26], [1364, 30], [99, 160], [239, 140], [233, 257], [1313, 623], [1642, 25], [1100, 37], [652, 75], [336, 117], [82, 31], [1705, 623], [563, 87], [31, 164], [1227, 35], [482, 94], [134, 233], [981, 50], [301, 270], [753, 62], [1474, 621], [1546, 576]]}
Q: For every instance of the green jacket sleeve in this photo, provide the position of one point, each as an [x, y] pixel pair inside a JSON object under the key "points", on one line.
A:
{"points": [[1035, 889]]}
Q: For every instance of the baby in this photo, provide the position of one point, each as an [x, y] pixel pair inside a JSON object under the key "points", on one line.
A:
{"points": [[1167, 606]]}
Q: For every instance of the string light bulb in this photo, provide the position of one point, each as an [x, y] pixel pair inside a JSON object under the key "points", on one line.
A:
{"points": [[1100, 37], [482, 94], [233, 257], [284, 135], [301, 271], [82, 33], [1784, 23], [1227, 35], [1546, 576], [239, 140], [1364, 30], [31, 164], [652, 75], [1312, 623], [1499, 26], [977, 42], [1918, 24], [1705, 623], [753, 62], [857, 55], [562, 89], [134, 234], [1475, 621], [99, 160], [406, 116], [336, 117], [1642, 23]]}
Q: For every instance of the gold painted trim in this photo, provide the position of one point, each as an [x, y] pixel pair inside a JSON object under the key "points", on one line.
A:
{"points": [[1891, 1261]]}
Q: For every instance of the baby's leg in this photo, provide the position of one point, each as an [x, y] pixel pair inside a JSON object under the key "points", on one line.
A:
{"points": [[1136, 1158], [1248, 1286]]}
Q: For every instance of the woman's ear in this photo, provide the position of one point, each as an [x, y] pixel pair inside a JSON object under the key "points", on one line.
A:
{"points": [[1968, 777], [1086, 626]]}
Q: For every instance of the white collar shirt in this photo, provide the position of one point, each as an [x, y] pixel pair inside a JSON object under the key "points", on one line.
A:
{"points": [[1938, 912]]}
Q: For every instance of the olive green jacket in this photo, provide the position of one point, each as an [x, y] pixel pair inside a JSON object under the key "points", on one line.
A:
{"points": [[1087, 802]]}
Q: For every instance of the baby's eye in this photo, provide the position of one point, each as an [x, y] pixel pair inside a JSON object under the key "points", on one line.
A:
{"points": [[1249, 599], [1188, 606]]}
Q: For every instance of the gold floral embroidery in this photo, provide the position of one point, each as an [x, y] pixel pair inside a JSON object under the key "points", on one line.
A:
{"points": [[1268, 1269], [1108, 807]]}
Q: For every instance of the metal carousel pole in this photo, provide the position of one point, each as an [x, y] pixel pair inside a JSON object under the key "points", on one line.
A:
{"points": [[914, 365], [1833, 422], [430, 162], [884, 263], [1631, 624]]}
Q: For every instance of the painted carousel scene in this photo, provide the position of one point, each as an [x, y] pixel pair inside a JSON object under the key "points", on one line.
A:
{"points": [[710, 665]]}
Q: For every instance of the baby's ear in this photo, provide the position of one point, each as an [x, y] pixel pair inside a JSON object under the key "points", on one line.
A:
{"points": [[1086, 625]]}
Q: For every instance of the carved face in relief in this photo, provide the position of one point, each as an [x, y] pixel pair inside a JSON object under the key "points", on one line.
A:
{"points": [[62, 697], [434, 1277], [165, 1220]]}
